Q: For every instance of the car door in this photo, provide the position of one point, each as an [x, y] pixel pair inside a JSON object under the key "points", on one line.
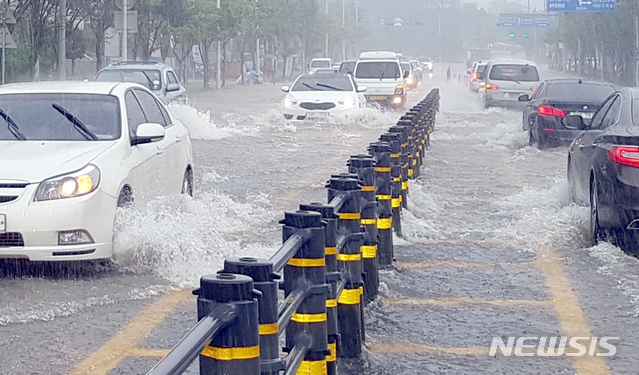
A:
{"points": [[583, 148], [141, 159], [166, 150]]}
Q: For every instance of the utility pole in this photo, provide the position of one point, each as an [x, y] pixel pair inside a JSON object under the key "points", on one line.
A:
{"points": [[344, 29], [218, 68], [257, 52], [125, 48], [636, 50], [62, 41], [325, 48]]}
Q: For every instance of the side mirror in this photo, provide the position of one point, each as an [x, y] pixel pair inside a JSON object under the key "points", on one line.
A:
{"points": [[524, 98], [406, 73], [148, 133], [172, 87], [362, 88], [286, 88], [574, 122]]}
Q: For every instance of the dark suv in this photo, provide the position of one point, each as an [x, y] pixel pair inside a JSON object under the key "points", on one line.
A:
{"points": [[159, 78]]}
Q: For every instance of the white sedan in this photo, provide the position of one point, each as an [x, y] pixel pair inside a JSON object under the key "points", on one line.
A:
{"points": [[71, 152], [320, 96]]}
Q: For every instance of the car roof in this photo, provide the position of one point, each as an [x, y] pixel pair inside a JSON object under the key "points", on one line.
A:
{"points": [[512, 61], [77, 87], [130, 65], [378, 55], [576, 80], [323, 74]]}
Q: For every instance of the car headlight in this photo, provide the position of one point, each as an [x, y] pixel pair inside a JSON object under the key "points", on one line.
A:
{"points": [[69, 185], [348, 102], [409, 80], [288, 102]]}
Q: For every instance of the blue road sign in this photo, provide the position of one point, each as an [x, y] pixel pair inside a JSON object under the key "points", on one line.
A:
{"points": [[582, 5], [524, 20]]}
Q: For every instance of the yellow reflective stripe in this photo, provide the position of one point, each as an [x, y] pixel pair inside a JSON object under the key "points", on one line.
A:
{"points": [[369, 251], [417, 153], [309, 318], [331, 303], [229, 354], [349, 297], [397, 179], [404, 185], [330, 250], [384, 223], [307, 262], [333, 356], [395, 156], [414, 162], [361, 290], [382, 169], [312, 368], [410, 137], [410, 172], [349, 215], [405, 144], [410, 156], [396, 203], [349, 257], [368, 188], [268, 328], [369, 221], [383, 197]]}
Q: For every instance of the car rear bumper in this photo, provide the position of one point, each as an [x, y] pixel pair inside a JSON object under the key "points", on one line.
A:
{"points": [[619, 196]]}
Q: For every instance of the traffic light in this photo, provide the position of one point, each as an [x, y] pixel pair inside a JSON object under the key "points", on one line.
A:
{"points": [[526, 35], [511, 35]]}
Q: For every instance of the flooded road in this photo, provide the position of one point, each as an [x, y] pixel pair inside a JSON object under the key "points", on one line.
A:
{"points": [[492, 248]]}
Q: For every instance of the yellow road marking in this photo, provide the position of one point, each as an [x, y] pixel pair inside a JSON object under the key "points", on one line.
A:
{"points": [[127, 341], [455, 301], [572, 319], [456, 264], [139, 352]]}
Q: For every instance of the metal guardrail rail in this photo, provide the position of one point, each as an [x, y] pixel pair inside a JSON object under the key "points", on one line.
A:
{"points": [[330, 259]]}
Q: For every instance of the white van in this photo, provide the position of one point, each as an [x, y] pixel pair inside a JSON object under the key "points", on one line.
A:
{"points": [[381, 73], [506, 80], [319, 63]]}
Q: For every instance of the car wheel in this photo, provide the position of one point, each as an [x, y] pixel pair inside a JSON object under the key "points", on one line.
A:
{"points": [[596, 233], [531, 137], [125, 199], [187, 182]]}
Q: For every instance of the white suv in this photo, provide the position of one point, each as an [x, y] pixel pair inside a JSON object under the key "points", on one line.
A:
{"points": [[381, 73], [506, 80]]}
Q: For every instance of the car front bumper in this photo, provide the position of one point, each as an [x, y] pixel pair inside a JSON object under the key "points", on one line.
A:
{"points": [[32, 228]]}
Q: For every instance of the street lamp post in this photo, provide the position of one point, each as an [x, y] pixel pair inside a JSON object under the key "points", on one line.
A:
{"points": [[344, 29], [218, 68]]}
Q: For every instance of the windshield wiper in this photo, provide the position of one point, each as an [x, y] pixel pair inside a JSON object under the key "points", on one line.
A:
{"points": [[82, 129], [512, 79], [151, 84], [329, 87], [310, 87], [12, 126]]}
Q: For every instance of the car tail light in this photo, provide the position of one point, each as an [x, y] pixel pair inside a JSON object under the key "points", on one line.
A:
{"points": [[533, 89], [399, 89], [624, 155], [474, 77], [547, 110], [491, 87]]}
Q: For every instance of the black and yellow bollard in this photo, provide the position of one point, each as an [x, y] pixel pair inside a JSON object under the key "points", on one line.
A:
{"points": [[396, 179], [264, 280], [350, 239], [402, 132], [332, 278], [381, 153], [308, 269], [364, 167], [235, 350]]}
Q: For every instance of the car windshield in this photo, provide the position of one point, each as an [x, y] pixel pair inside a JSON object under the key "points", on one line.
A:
{"points": [[573, 91], [405, 66], [150, 78], [377, 69], [347, 67], [37, 118], [514, 72], [320, 64], [323, 84]]}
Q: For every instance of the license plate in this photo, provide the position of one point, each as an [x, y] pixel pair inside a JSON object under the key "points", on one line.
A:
{"points": [[379, 98], [317, 114], [3, 223], [586, 115]]}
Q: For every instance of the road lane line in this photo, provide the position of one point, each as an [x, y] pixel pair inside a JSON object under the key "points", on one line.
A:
{"points": [[456, 301], [125, 342], [139, 352], [461, 264], [572, 319]]}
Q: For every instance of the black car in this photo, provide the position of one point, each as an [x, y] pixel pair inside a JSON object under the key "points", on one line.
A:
{"points": [[603, 169], [556, 98]]}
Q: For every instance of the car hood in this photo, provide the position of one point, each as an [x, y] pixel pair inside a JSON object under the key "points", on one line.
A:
{"points": [[321, 96], [35, 161]]}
